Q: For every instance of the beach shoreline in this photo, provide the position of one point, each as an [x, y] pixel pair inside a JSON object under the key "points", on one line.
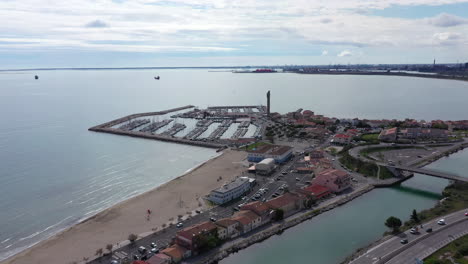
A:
{"points": [[114, 224]]}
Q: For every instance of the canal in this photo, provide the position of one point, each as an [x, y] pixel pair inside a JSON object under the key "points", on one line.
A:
{"points": [[330, 237]]}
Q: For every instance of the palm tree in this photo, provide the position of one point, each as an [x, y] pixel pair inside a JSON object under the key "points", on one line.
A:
{"points": [[99, 252]]}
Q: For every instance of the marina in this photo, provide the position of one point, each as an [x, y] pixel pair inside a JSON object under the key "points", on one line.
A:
{"points": [[194, 126]]}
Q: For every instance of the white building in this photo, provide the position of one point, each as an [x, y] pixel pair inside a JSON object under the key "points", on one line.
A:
{"points": [[265, 166], [230, 191], [279, 153]]}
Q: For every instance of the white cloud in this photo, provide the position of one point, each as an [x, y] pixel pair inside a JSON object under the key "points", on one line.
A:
{"points": [[324, 52], [447, 20], [345, 53], [215, 25]]}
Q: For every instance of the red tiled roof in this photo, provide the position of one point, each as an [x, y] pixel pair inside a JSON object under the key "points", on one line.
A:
{"points": [[245, 217], [159, 258], [225, 222], [333, 173], [282, 200], [342, 136], [194, 230], [175, 251], [257, 207], [317, 189]]}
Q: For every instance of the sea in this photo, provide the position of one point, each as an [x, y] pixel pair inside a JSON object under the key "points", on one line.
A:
{"points": [[55, 173]]}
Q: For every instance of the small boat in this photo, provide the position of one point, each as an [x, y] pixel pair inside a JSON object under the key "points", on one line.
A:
{"points": [[156, 77], [36, 77]]}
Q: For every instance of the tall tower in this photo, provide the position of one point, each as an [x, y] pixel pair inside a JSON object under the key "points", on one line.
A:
{"points": [[268, 103]]}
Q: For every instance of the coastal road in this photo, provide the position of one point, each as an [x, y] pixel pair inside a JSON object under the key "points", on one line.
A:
{"points": [[392, 247], [431, 244]]}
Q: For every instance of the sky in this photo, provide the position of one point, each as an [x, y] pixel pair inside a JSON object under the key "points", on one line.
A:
{"points": [[145, 33]]}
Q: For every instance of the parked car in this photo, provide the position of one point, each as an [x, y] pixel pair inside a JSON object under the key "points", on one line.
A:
{"points": [[404, 241], [179, 225], [212, 219], [142, 250], [466, 214], [429, 230], [136, 257], [297, 179], [414, 231], [155, 250], [153, 245], [114, 262], [441, 222]]}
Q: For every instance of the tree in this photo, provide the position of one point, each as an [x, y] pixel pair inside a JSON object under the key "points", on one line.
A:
{"points": [[415, 217], [393, 223], [132, 238], [109, 247], [278, 215], [99, 252], [333, 151]]}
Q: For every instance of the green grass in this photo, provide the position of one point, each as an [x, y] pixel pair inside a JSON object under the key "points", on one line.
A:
{"points": [[456, 198], [256, 145], [457, 250], [365, 168], [370, 137]]}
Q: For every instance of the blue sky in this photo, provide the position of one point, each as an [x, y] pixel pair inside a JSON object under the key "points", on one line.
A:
{"points": [[124, 33]]}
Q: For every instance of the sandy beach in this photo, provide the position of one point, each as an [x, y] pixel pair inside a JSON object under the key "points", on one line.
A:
{"points": [[177, 197]]}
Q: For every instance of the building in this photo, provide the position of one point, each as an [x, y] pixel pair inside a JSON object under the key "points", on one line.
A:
{"points": [[279, 153], [290, 203], [389, 135], [176, 253], [341, 139], [335, 180], [248, 220], [227, 228], [159, 259], [316, 154], [265, 166], [230, 191], [423, 134], [194, 237], [316, 191], [259, 208]]}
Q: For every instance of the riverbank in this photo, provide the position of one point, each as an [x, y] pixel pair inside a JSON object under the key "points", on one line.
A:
{"points": [[277, 228], [401, 74], [112, 226]]}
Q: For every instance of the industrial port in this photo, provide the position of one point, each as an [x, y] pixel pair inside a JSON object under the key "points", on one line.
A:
{"points": [[214, 127]]}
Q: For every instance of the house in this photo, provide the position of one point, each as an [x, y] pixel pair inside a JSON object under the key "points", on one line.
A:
{"points": [[335, 180], [248, 220], [423, 133], [160, 258], [227, 228], [316, 154], [176, 253], [265, 166], [341, 139], [230, 191], [316, 191], [259, 208], [279, 153], [389, 135], [194, 237], [288, 202]]}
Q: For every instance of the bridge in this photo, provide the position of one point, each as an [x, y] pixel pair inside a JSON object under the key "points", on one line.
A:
{"points": [[438, 174]]}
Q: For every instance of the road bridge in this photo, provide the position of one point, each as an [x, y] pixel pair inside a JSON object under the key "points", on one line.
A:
{"points": [[438, 174]]}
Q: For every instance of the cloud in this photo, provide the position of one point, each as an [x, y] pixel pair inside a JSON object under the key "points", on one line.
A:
{"points": [[324, 52], [97, 24], [447, 20], [345, 53]]}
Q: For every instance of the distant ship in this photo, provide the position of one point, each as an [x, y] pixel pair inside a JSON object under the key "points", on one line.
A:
{"points": [[156, 78], [36, 77]]}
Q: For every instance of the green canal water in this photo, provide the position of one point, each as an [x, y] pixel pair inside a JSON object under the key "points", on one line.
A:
{"points": [[334, 235]]}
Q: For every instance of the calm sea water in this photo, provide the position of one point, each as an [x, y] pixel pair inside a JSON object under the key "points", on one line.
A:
{"points": [[55, 173]]}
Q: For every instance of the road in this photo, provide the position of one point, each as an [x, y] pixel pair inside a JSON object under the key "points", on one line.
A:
{"points": [[392, 247]]}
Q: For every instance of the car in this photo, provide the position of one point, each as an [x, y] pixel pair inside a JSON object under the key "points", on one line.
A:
{"points": [[429, 230], [198, 211], [275, 195], [404, 241], [284, 173], [136, 257], [235, 208], [212, 219], [414, 231], [297, 179], [114, 262], [466, 214], [254, 198], [441, 222], [281, 188], [264, 200], [142, 250], [179, 225], [278, 179], [153, 245], [155, 250]]}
